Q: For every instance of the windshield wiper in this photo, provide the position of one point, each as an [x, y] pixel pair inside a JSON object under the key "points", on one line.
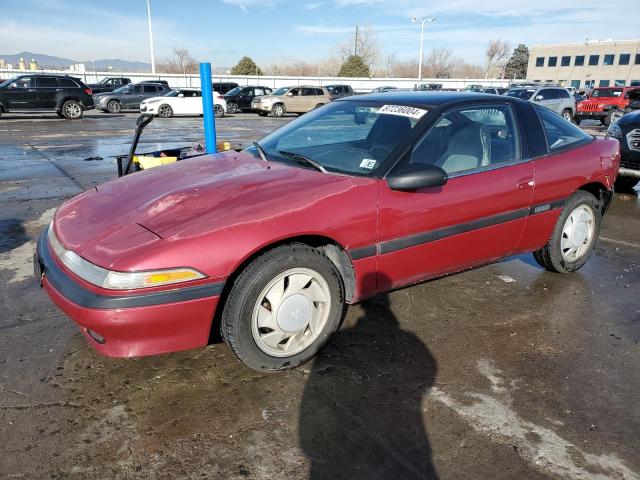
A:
{"points": [[304, 160], [261, 151]]}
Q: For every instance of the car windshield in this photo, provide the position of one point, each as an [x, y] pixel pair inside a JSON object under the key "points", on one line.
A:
{"points": [[606, 92], [8, 82], [235, 91], [351, 137], [522, 93], [281, 91]]}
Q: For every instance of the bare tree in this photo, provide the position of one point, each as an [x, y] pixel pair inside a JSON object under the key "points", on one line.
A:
{"points": [[363, 43], [182, 63], [438, 63], [497, 54]]}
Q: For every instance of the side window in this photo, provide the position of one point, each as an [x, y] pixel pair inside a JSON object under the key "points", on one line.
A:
{"points": [[468, 139], [150, 89], [547, 94], [563, 93], [67, 83], [560, 133], [308, 91], [136, 89], [24, 82], [319, 91], [47, 82], [295, 91], [259, 91], [268, 91]]}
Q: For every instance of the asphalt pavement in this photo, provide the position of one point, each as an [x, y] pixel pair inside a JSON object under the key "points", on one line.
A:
{"points": [[502, 372]]}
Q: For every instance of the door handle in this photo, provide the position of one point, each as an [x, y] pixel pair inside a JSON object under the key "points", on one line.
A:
{"points": [[58, 89], [32, 90], [526, 184]]}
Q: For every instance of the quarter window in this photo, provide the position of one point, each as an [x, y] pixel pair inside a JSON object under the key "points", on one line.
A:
{"points": [[566, 61], [579, 62], [540, 62], [560, 133], [468, 139], [553, 61], [594, 59], [67, 83], [624, 59], [608, 60]]}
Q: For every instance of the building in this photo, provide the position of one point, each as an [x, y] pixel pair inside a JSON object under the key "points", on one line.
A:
{"points": [[33, 65], [592, 63]]}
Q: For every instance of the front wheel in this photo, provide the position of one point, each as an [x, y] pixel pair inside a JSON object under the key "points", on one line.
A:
{"points": [[278, 110], [71, 110], [232, 107], [218, 111], [165, 111], [283, 308], [606, 121], [114, 106], [566, 114], [574, 236]]}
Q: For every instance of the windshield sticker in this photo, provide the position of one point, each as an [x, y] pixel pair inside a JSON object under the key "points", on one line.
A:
{"points": [[403, 111], [368, 163]]}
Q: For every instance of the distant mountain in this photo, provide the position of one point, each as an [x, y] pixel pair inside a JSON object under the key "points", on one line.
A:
{"points": [[48, 61]]}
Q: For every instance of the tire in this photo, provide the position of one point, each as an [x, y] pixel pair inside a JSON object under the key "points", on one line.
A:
{"points": [[557, 255], [165, 111], [218, 111], [626, 184], [567, 115], [606, 121], [114, 106], [263, 114], [576, 120], [232, 107], [278, 110], [71, 110], [246, 316]]}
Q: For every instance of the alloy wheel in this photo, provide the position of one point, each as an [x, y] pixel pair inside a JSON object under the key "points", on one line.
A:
{"points": [[72, 110]]}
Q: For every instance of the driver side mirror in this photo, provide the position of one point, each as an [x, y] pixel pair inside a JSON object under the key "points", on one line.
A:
{"points": [[415, 176], [289, 94], [539, 97], [181, 95]]}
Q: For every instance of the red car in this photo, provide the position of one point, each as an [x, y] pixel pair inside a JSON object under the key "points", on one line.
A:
{"points": [[602, 102], [364, 195]]}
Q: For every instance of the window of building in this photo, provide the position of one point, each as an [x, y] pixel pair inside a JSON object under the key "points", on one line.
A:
{"points": [[553, 61], [635, 83], [624, 59], [540, 61], [575, 83], [566, 61], [594, 59], [637, 62], [579, 61], [618, 83], [603, 83], [608, 60]]}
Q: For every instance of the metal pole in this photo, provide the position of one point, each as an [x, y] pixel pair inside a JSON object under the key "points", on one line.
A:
{"points": [[153, 57], [421, 43], [207, 108]]}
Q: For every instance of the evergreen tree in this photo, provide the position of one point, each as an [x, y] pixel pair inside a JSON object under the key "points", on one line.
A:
{"points": [[246, 66], [354, 66], [517, 64]]}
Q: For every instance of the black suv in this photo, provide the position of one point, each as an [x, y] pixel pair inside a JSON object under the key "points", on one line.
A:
{"points": [[65, 95], [240, 98]]}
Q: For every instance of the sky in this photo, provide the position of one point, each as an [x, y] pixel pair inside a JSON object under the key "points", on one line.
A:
{"points": [[272, 31]]}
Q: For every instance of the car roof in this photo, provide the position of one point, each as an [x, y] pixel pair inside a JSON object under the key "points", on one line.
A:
{"points": [[431, 98]]}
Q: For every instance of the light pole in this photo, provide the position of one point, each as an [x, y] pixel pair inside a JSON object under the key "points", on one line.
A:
{"points": [[153, 57], [422, 22]]}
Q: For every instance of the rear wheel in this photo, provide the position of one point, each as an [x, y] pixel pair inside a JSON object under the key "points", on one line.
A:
{"points": [[283, 308], [626, 184], [165, 111], [232, 107], [218, 111], [574, 236], [566, 114], [114, 106], [71, 110], [278, 110]]}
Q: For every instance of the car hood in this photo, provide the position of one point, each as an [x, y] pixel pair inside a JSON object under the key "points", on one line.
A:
{"points": [[262, 98], [116, 218], [630, 119]]}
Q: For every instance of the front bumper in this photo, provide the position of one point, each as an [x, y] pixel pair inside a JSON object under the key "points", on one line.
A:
{"points": [[130, 325], [582, 115], [264, 107]]}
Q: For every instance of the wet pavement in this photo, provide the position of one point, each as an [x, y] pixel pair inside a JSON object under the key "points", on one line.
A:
{"points": [[505, 371]]}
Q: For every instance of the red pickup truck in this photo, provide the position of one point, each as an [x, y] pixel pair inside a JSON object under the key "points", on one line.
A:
{"points": [[602, 102]]}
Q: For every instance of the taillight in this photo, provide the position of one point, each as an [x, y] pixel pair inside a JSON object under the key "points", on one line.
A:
{"points": [[88, 91], [219, 97]]}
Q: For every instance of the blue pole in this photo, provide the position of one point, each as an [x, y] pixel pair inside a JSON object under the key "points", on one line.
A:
{"points": [[207, 108]]}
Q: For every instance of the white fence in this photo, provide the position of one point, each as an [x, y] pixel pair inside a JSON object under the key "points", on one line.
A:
{"points": [[358, 84]]}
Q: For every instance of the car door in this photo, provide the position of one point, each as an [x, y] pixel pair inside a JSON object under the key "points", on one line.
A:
{"points": [[149, 91], [294, 101], [476, 217], [192, 103], [48, 89], [134, 97], [245, 97], [22, 94], [549, 98], [309, 99]]}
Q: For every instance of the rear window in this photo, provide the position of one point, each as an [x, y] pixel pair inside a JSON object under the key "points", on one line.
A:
{"points": [[560, 133]]}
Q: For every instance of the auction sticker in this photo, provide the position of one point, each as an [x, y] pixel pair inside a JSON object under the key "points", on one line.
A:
{"points": [[402, 110]]}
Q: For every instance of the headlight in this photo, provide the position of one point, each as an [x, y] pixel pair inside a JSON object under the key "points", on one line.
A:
{"points": [[151, 101], [112, 280], [614, 131]]}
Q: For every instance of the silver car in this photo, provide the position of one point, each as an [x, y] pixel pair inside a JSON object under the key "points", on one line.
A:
{"points": [[557, 99]]}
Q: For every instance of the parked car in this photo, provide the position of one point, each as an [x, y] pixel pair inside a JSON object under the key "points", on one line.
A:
{"points": [[69, 97], [224, 87], [632, 106], [240, 98], [627, 131], [273, 240], [495, 90], [428, 87], [383, 89], [128, 97], [557, 99], [299, 99], [161, 82], [109, 84], [182, 101], [339, 91], [602, 102]]}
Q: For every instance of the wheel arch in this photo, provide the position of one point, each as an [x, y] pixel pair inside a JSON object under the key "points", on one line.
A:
{"points": [[601, 192], [67, 98]]}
